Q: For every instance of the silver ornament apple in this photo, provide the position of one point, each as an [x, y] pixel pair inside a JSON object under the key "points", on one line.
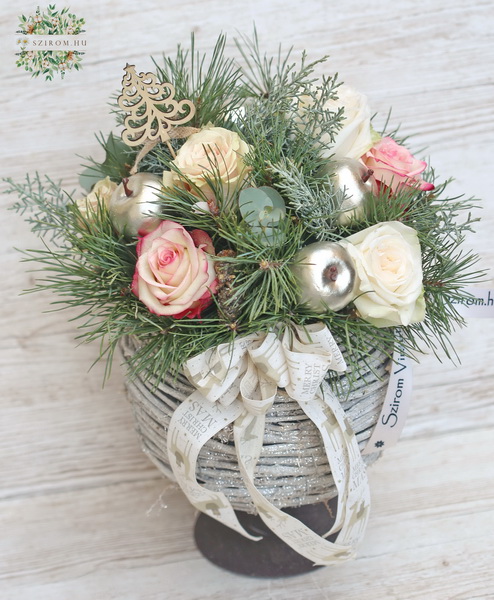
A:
{"points": [[326, 276], [354, 179], [134, 204]]}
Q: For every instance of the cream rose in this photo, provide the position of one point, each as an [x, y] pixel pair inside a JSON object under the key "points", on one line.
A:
{"points": [[355, 137], [171, 180], [101, 192], [175, 274], [210, 153], [388, 263]]}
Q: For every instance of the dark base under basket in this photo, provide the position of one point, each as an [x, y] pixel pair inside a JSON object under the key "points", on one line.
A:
{"points": [[269, 557]]}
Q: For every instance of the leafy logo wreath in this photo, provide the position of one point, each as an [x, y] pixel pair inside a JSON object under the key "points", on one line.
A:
{"points": [[49, 62]]}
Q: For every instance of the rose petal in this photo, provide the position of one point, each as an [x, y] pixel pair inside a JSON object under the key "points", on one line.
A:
{"points": [[395, 166], [172, 275], [201, 238], [388, 265]]}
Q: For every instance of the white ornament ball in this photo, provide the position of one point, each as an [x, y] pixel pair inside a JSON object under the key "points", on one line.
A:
{"points": [[326, 275], [135, 203]]}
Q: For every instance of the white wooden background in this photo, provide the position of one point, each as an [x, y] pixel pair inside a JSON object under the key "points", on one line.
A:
{"points": [[83, 515]]}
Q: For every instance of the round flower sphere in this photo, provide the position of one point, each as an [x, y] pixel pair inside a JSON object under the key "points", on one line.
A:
{"points": [[175, 274], [354, 137], [388, 262]]}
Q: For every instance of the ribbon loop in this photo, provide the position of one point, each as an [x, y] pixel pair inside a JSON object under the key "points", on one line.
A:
{"points": [[238, 383], [257, 392]]}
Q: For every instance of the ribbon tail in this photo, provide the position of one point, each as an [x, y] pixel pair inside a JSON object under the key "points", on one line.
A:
{"points": [[193, 423], [249, 433], [346, 463], [396, 405]]}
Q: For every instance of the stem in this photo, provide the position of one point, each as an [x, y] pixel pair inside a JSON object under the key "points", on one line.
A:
{"points": [[148, 146], [172, 151], [128, 191], [367, 176], [331, 273]]}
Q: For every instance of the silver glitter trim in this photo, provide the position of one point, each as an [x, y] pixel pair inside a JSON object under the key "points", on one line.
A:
{"points": [[293, 469]]}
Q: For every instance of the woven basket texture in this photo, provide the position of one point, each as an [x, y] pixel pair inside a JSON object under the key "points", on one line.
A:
{"points": [[293, 469]]}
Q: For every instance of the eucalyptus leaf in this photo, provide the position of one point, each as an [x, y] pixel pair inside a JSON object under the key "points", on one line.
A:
{"points": [[270, 216], [89, 177], [257, 204], [274, 196], [251, 201], [262, 209]]}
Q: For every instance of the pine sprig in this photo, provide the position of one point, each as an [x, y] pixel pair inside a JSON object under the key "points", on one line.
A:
{"points": [[213, 86], [263, 267], [43, 203], [279, 108], [316, 204], [285, 116]]}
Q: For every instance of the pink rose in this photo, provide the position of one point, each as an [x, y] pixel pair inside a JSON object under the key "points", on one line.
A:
{"points": [[394, 166], [175, 273]]}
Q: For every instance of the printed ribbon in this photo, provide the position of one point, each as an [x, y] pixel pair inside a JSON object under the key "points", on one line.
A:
{"points": [[394, 410], [479, 305], [237, 383], [396, 404]]}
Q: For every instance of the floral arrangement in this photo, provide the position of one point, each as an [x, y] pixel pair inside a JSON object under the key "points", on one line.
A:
{"points": [[257, 203], [203, 243], [49, 62]]}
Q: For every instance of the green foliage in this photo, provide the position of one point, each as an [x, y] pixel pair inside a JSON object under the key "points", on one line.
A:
{"points": [[43, 203], [313, 200], [212, 86], [262, 209], [285, 116], [285, 202], [118, 160]]}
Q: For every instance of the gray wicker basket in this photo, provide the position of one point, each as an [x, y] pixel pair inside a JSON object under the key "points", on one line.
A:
{"points": [[293, 469]]}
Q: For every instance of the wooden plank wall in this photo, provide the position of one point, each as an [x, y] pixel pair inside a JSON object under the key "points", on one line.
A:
{"points": [[83, 514]]}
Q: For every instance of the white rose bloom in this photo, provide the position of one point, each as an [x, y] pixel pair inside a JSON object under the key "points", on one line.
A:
{"points": [[388, 264], [354, 139], [103, 189], [213, 149], [170, 179]]}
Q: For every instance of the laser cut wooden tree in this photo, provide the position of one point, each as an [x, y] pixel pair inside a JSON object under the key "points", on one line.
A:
{"points": [[153, 111]]}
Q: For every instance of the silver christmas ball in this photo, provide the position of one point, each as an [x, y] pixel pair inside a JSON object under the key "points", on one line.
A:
{"points": [[134, 204], [352, 178], [326, 276]]}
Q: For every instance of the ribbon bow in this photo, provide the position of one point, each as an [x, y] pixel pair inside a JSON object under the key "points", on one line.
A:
{"points": [[237, 383]]}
